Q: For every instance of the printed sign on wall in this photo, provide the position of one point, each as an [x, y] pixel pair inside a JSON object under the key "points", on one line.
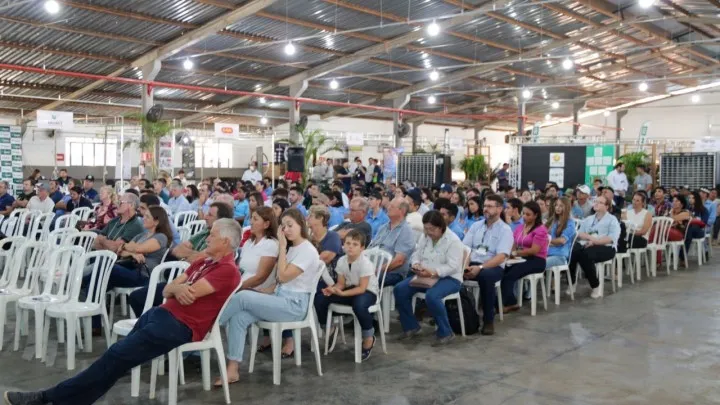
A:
{"points": [[227, 131], [11, 165], [55, 119]]}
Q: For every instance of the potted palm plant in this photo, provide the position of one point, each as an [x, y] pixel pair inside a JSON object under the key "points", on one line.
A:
{"points": [[316, 143], [632, 160], [475, 167], [152, 132]]}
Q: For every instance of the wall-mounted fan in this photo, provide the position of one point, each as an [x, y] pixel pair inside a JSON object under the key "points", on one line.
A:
{"points": [[402, 130], [155, 113]]}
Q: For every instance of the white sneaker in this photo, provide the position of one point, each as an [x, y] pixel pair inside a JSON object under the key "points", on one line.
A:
{"points": [[595, 294]]}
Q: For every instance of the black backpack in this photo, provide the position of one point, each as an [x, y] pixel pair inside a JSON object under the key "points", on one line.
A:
{"points": [[470, 315]]}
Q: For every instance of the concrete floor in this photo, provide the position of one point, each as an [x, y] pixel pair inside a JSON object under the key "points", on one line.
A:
{"points": [[655, 342]]}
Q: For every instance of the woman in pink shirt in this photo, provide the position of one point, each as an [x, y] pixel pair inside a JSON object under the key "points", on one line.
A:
{"points": [[531, 244]]}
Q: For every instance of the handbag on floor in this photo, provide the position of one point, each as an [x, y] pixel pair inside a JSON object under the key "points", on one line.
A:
{"points": [[470, 315]]}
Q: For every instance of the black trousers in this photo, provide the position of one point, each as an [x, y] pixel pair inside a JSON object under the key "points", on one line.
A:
{"points": [[638, 242], [586, 258]]}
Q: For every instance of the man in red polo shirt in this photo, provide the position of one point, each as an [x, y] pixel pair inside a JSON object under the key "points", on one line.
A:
{"points": [[193, 302]]}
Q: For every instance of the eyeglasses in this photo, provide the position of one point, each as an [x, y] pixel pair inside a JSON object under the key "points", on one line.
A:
{"points": [[490, 206], [124, 202]]}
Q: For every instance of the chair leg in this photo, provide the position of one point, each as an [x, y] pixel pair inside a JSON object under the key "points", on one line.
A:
{"points": [[107, 326], [476, 294], [316, 346], [521, 286], [357, 337], [619, 272], [544, 294], [123, 305], [46, 337], [462, 317], [173, 377], [153, 374], [39, 318], [685, 256], [276, 341], [222, 365], [111, 315], [19, 324], [254, 331], [135, 382], [498, 293], [205, 366], [298, 346], [70, 342], [87, 328], [61, 330], [556, 277], [3, 308], [328, 324], [382, 332]]}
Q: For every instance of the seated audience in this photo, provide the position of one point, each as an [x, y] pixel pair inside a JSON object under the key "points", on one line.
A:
{"points": [[376, 217], [562, 232], [414, 217], [279, 206], [178, 202], [583, 206], [105, 211], [639, 221], [123, 228], [437, 265], [512, 213], [474, 212], [358, 213], [42, 201], [396, 238]]}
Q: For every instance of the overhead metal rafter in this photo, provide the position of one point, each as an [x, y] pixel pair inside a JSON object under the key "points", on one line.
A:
{"points": [[174, 46]]}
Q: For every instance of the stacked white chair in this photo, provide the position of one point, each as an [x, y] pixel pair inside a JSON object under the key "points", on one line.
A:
{"points": [[384, 260], [212, 341], [65, 267], [40, 227], [195, 227], [10, 225], [276, 329], [183, 218], [123, 327], [66, 221], [659, 243], [59, 237], [8, 247], [455, 296], [85, 239], [26, 221], [84, 213], [73, 311]]}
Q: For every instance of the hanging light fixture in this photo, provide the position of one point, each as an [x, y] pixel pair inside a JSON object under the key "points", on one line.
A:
{"points": [[548, 117], [643, 86], [555, 105], [646, 3], [568, 64], [434, 75], [52, 6], [606, 113], [263, 120], [433, 29], [695, 98], [262, 100], [188, 64], [527, 94], [431, 99], [290, 48], [334, 84]]}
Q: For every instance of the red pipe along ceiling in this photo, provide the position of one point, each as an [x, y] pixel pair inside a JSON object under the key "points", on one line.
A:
{"points": [[204, 89]]}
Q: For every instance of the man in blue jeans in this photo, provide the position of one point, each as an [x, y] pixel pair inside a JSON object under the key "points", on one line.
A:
{"points": [[491, 241], [193, 302]]}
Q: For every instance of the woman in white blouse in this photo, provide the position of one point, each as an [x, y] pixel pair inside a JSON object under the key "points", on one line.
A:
{"points": [[260, 252], [639, 221], [286, 301], [437, 264]]}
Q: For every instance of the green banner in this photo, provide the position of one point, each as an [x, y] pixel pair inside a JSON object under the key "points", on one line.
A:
{"points": [[599, 161]]}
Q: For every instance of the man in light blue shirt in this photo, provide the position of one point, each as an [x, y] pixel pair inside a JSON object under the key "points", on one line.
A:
{"points": [[491, 242], [376, 217], [512, 213], [241, 211], [711, 206], [396, 237], [596, 243], [449, 212], [295, 198], [177, 202]]}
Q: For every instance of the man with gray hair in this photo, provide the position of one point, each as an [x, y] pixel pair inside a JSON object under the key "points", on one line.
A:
{"points": [[358, 211], [123, 228], [194, 300], [177, 202], [396, 237]]}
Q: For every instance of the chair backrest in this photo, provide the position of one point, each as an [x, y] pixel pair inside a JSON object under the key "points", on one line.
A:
{"points": [[466, 258], [8, 249], [32, 256], [40, 227], [184, 234], [85, 239], [102, 262], [182, 218], [316, 280], [380, 260], [216, 325], [195, 226], [121, 186], [82, 212], [661, 227], [67, 221], [64, 264], [23, 218], [60, 236], [158, 274]]}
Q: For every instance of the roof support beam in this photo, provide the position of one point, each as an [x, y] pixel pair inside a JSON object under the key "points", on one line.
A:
{"points": [[174, 46]]}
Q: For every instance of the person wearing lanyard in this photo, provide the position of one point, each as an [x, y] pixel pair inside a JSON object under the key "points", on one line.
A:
{"points": [[396, 237], [596, 243], [531, 244], [123, 228], [491, 241]]}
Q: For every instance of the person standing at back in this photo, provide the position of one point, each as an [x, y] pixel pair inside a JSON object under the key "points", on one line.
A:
{"points": [[617, 179]]}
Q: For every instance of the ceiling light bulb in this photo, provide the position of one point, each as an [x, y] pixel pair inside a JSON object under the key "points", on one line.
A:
{"points": [[555, 105], [263, 120], [606, 113], [289, 49], [646, 3], [643, 86], [548, 117], [568, 64], [695, 98], [334, 84], [527, 94], [188, 64], [434, 75], [52, 6], [433, 29], [263, 100], [431, 99], [186, 140]]}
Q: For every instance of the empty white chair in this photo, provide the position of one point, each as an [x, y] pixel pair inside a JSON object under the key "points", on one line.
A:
{"points": [[123, 327], [40, 226], [195, 227], [66, 221], [212, 341], [83, 213], [375, 309], [184, 234], [10, 225], [660, 231], [65, 267], [8, 247], [381, 260], [182, 218], [85, 239], [59, 237], [276, 329], [23, 254], [72, 311], [121, 186]]}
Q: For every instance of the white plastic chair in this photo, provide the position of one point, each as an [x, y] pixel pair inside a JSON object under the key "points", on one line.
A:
{"points": [[195, 226], [184, 234], [659, 243], [603, 269], [182, 218], [123, 293], [453, 296], [40, 226], [121, 186], [21, 254], [674, 248], [123, 327], [59, 237], [25, 222], [555, 273], [212, 341], [381, 260], [73, 311], [533, 279], [699, 245], [374, 309], [64, 265], [85, 239], [10, 225], [8, 247], [474, 288], [83, 213], [620, 258], [67, 221], [276, 329]]}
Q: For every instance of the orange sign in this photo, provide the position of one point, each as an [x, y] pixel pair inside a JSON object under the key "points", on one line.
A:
{"points": [[227, 130], [146, 156]]}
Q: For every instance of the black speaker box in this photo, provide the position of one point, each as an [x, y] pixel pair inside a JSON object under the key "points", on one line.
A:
{"points": [[296, 159]]}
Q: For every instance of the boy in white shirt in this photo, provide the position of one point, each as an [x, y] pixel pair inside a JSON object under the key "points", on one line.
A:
{"points": [[357, 286]]}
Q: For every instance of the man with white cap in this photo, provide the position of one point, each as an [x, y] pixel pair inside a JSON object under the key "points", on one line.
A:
{"points": [[582, 207]]}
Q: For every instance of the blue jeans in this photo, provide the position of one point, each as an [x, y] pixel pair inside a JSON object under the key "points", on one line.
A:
{"points": [[433, 299], [119, 277], [392, 278], [486, 279], [137, 298], [249, 306], [695, 232], [155, 333], [360, 304], [512, 274], [553, 261]]}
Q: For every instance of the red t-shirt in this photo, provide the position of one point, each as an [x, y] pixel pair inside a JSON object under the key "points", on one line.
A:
{"points": [[293, 176], [199, 316]]}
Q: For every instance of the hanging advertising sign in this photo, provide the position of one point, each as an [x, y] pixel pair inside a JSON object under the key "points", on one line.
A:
{"points": [[165, 150], [55, 119], [354, 139], [643, 132], [11, 165], [227, 131]]}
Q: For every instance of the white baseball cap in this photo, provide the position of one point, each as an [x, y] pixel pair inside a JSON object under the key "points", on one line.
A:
{"points": [[584, 189]]}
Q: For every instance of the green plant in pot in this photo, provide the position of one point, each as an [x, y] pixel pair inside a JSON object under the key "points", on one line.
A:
{"points": [[316, 143], [631, 161], [152, 132], [475, 167]]}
